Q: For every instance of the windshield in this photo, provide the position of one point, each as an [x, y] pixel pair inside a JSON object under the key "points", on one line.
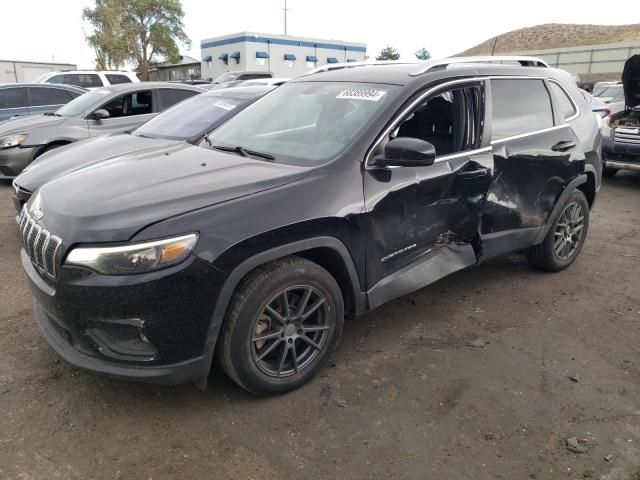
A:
{"points": [[226, 77], [616, 94], [83, 103], [304, 123], [192, 118], [40, 79]]}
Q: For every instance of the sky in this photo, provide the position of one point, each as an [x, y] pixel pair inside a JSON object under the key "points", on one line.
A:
{"points": [[45, 30]]}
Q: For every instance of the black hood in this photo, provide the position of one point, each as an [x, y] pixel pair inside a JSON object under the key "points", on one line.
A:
{"points": [[113, 199], [60, 161], [631, 81]]}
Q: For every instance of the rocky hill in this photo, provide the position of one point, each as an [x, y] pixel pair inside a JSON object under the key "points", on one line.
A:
{"points": [[556, 35]]}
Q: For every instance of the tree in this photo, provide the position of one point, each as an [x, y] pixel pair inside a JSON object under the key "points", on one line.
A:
{"points": [[423, 54], [148, 28], [107, 39], [388, 53]]}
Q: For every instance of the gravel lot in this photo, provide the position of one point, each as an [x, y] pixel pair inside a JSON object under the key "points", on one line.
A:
{"points": [[407, 396]]}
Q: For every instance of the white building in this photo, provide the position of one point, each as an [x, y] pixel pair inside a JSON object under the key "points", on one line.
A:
{"points": [[18, 71], [285, 56]]}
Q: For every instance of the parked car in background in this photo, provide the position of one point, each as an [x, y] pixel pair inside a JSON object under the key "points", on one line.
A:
{"points": [[598, 87], [276, 81], [111, 109], [25, 99], [330, 196], [89, 79], [597, 107], [192, 82], [241, 75], [612, 96], [186, 122], [621, 130]]}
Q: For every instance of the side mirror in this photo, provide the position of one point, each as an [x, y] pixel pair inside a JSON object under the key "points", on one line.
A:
{"points": [[407, 152], [100, 114]]}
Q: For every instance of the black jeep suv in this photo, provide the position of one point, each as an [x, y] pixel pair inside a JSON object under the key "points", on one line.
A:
{"points": [[327, 197]]}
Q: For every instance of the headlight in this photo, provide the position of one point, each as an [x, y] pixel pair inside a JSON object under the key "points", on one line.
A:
{"points": [[134, 258], [12, 140]]}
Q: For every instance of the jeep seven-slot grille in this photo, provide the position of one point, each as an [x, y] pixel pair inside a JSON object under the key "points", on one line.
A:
{"points": [[41, 247]]}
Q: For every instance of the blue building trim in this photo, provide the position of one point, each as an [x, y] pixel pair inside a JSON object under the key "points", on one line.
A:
{"points": [[282, 41]]}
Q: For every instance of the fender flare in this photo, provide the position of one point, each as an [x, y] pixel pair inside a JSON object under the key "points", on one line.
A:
{"points": [[239, 272], [557, 208]]}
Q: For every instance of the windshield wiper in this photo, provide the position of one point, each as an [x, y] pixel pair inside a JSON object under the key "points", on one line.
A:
{"points": [[243, 152], [52, 114]]}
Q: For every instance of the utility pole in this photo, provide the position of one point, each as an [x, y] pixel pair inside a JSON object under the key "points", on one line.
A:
{"points": [[285, 16]]}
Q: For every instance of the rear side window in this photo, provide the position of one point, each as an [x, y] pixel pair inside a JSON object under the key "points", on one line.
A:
{"points": [[13, 97], [170, 96], [48, 96], [115, 78], [563, 102], [519, 106]]}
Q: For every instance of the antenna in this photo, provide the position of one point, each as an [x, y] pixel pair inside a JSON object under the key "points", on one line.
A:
{"points": [[285, 16]]}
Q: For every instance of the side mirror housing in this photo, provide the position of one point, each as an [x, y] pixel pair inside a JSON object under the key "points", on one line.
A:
{"points": [[100, 114], [407, 152]]}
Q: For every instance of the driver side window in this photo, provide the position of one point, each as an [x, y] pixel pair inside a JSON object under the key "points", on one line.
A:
{"points": [[451, 121], [137, 103]]}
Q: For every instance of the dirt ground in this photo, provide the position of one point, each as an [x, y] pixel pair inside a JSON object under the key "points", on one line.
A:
{"points": [[407, 396]]}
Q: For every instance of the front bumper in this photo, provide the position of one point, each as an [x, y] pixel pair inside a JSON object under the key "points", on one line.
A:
{"points": [[620, 156], [14, 160], [151, 327]]}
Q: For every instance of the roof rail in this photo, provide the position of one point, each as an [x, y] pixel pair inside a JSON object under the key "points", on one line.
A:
{"points": [[337, 66], [522, 60]]}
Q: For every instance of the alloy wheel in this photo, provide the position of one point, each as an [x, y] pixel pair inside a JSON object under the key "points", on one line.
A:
{"points": [[291, 331], [569, 231]]}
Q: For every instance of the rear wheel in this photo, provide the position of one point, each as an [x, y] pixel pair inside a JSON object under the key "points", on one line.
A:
{"points": [[609, 172], [565, 238], [284, 321]]}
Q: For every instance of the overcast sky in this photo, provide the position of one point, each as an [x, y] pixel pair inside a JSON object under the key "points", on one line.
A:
{"points": [[42, 30]]}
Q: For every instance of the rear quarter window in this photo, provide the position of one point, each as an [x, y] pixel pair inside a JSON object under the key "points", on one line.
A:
{"points": [[519, 106], [115, 79], [565, 106]]}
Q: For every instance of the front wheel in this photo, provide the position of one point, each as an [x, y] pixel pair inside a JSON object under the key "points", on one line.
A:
{"points": [[283, 324], [565, 238]]}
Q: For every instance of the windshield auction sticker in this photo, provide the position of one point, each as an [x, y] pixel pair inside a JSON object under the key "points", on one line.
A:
{"points": [[362, 94]]}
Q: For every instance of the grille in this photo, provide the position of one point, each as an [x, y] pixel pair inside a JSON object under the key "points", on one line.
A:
{"points": [[41, 247], [628, 135]]}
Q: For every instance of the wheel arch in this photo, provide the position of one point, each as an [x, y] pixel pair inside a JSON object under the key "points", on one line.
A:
{"points": [[329, 252], [572, 185], [51, 145], [589, 187]]}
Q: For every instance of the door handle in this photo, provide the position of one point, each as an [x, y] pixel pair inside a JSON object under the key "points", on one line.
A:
{"points": [[563, 146]]}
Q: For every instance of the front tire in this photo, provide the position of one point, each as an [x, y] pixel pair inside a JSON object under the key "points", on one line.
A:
{"points": [[565, 238], [283, 323]]}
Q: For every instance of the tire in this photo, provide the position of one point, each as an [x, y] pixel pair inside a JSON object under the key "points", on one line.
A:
{"points": [[546, 255], [609, 172], [258, 309]]}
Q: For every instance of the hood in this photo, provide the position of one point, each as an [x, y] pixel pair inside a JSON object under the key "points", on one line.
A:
{"points": [[114, 199], [60, 161], [24, 124], [631, 81]]}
